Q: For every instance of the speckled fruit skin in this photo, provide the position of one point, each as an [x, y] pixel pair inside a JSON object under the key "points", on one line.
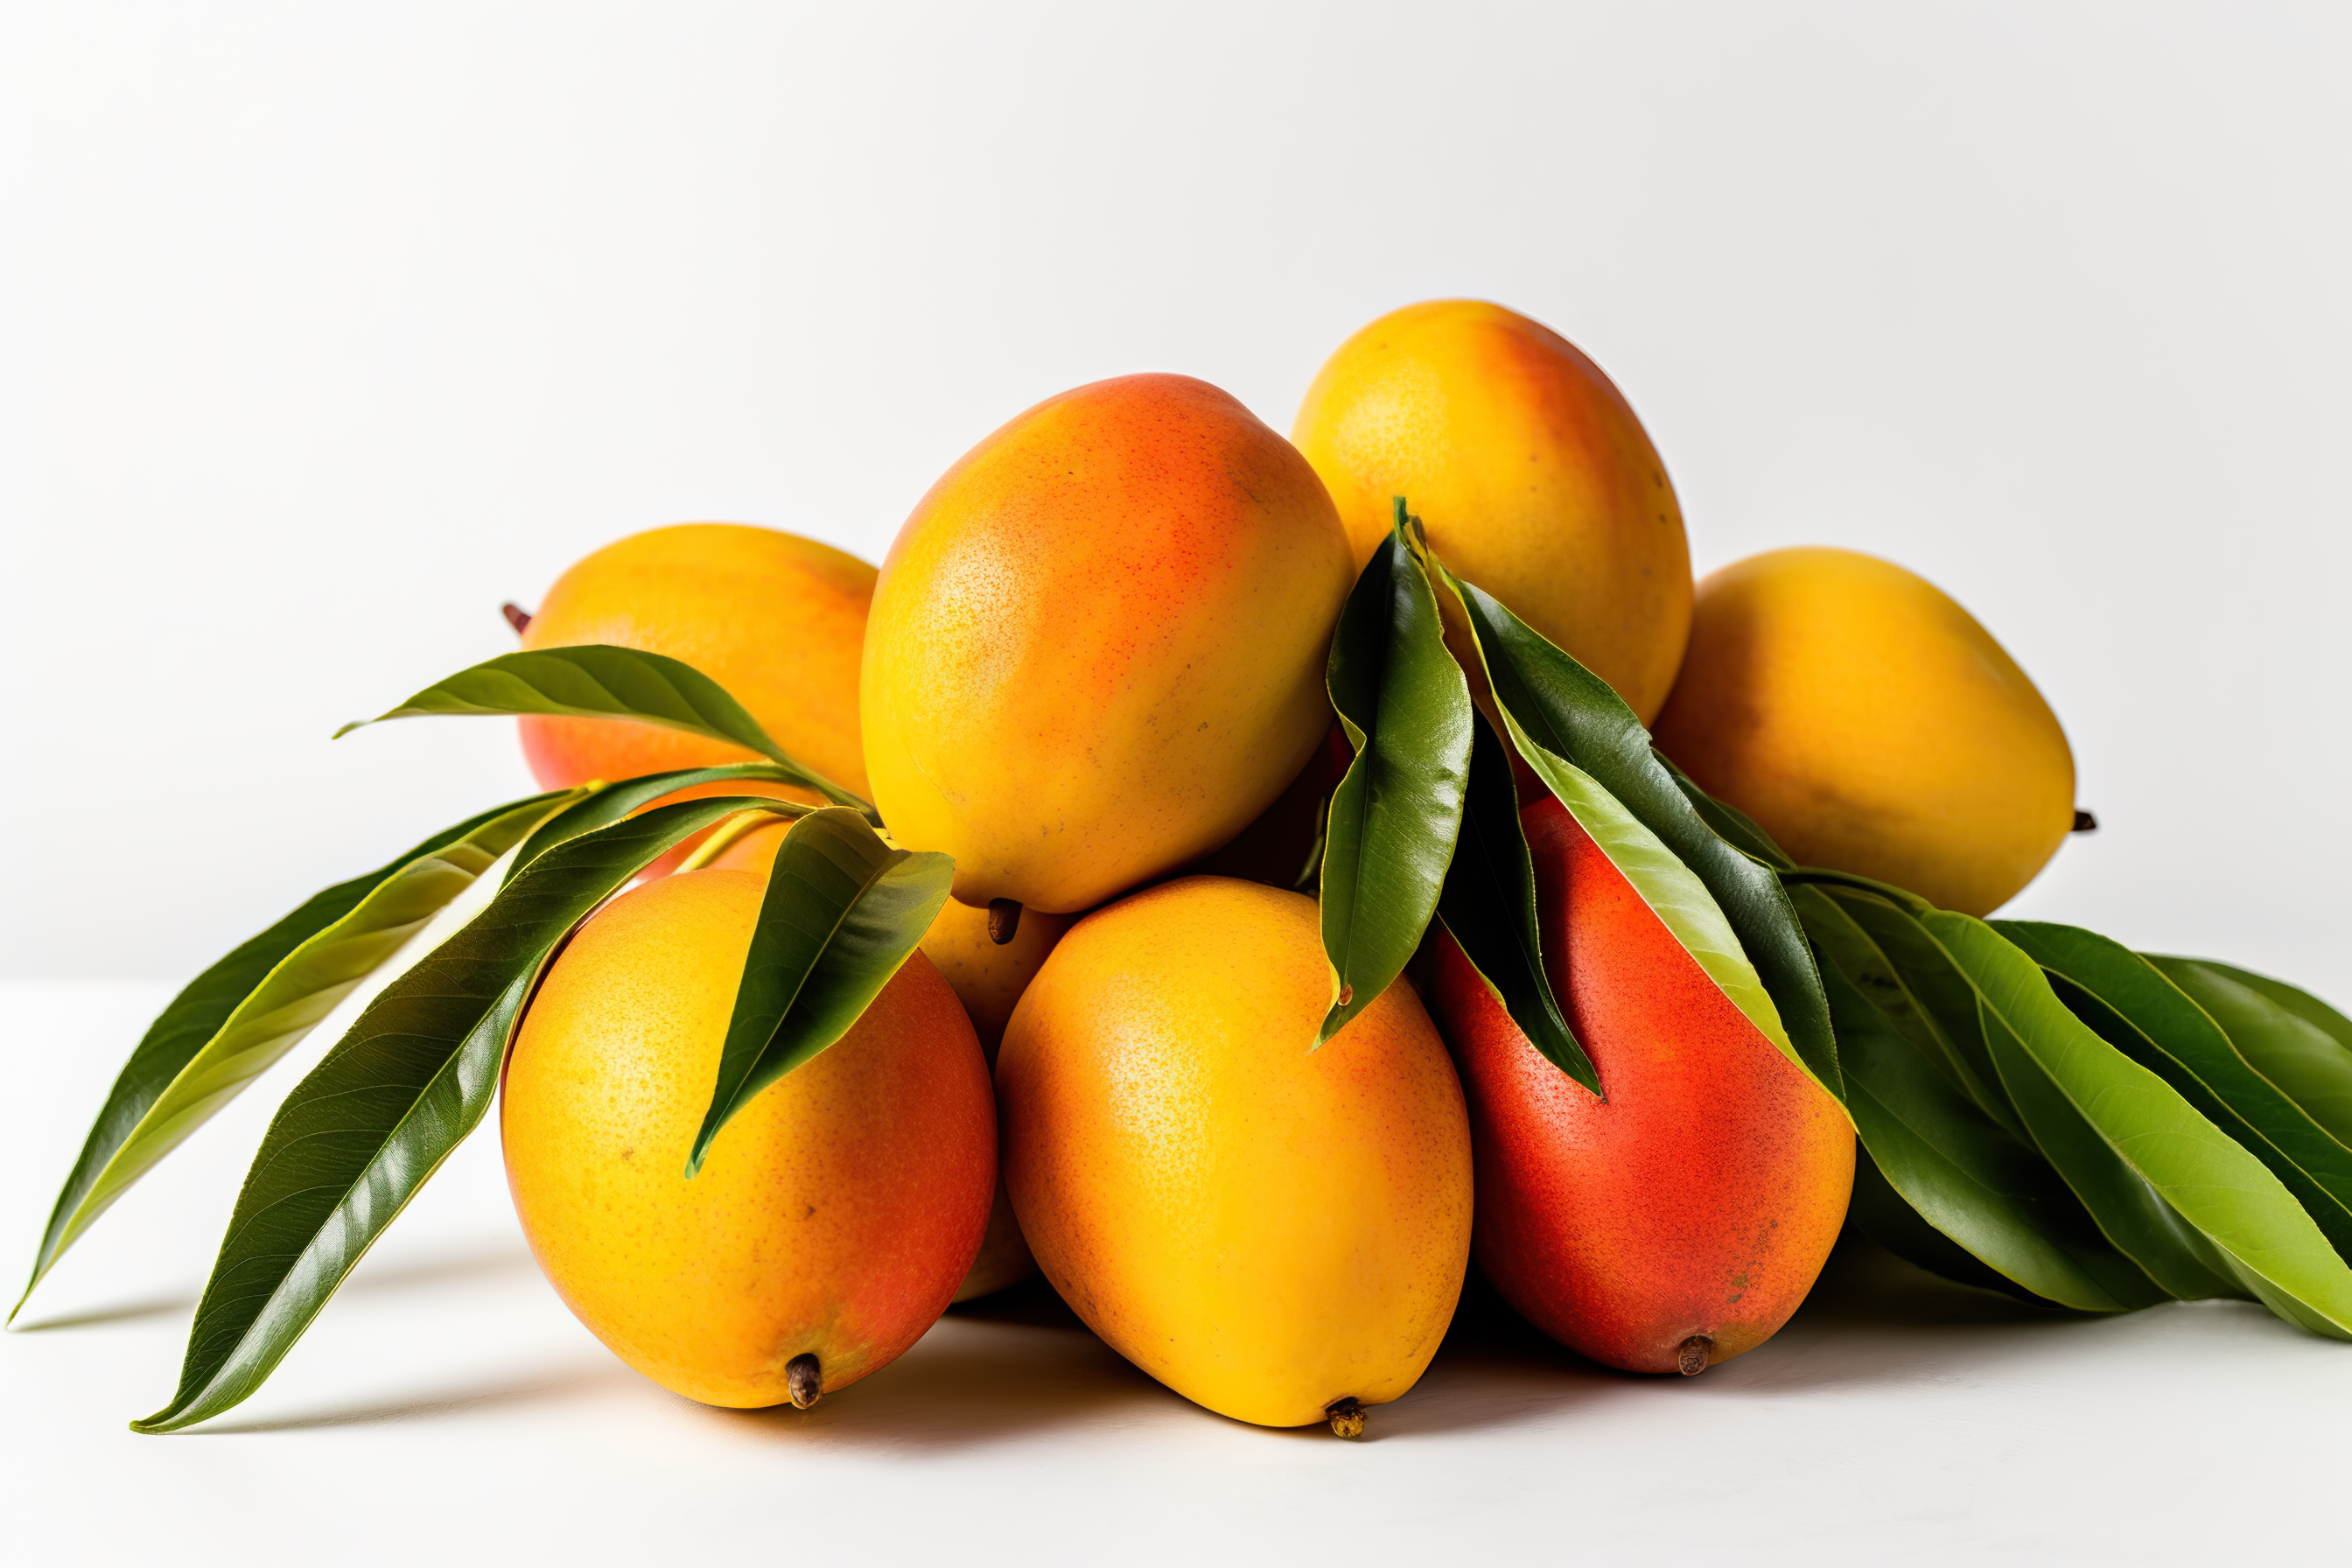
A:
{"points": [[778, 620], [988, 979], [1262, 1228], [1703, 1196], [1096, 648], [1528, 470], [834, 1214], [1868, 722]]}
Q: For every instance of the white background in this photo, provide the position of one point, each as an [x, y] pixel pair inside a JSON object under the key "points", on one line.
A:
{"points": [[324, 329]]}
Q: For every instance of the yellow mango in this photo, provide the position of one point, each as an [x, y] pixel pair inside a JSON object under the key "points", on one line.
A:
{"points": [[836, 1213], [1869, 723], [1270, 1231], [1097, 646], [1527, 469]]}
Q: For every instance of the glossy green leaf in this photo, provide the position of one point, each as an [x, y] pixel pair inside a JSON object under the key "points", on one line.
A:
{"points": [[1946, 1003], [1561, 715], [2291, 1038], [842, 911], [1397, 813], [368, 1126], [600, 682], [614, 802], [1953, 1167], [2079, 1096], [1488, 905], [248, 1010], [2130, 1003]]}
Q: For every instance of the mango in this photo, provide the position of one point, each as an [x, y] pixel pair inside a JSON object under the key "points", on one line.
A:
{"points": [[1679, 1223], [1096, 646], [1869, 723], [1529, 470], [1277, 1234], [988, 979], [778, 620], [834, 1214]]}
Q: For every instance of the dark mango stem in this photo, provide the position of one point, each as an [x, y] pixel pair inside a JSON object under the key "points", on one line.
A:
{"points": [[1004, 920], [517, 617], [2083, 822], [1690, 1356], [1347, 1416], [803, 1380]]}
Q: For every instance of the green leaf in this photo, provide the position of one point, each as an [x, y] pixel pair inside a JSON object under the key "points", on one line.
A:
{"points": [[2291, 1038], [2131, 1005], [1957, 1170], [359, 1136], [1395, 816], [1561, 715], [1942, 1002], [842, 911], [1730, 823], [609, 805], [249, 1009], [600, 682], [2079, 1097], [1488, 905]]}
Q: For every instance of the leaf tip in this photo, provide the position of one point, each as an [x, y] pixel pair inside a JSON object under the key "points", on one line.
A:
{"points": [[354, 724]]}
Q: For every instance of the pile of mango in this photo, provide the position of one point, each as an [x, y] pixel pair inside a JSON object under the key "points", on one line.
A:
{"points": [[1245, 880]]}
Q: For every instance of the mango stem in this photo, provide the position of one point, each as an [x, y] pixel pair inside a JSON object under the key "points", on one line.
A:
{"points": [[2084, 822], [1347, 1416], [803, 1380], [1690, 1356], [1004, 920], [517, 617]]}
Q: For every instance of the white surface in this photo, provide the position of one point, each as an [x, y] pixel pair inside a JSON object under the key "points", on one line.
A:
{"points": [[323, 330], [446, 1408]]}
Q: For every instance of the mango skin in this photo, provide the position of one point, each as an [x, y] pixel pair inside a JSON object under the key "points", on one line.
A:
{"points": [[1527, 469], [1263, 1229], [778, 620], [836, 1214], [1869, 723], [1097, 646], [1703, 1197], [988, 979]]}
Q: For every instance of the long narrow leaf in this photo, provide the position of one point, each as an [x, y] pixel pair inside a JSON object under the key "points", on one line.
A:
{"points": [[614, 802], [1488, 905], [2131, 1005], [2226, 1195], [600, 682], [1560, 712], [359, 1136], [842, 911], [1397, 814], [2291, 1038], [248, 1010], [1955, 1169]]}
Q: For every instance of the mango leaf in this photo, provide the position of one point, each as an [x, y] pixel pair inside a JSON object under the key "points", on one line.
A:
{"points": [[2131, 1005], [842, 911], [1488, 905], [609, 805], [2291, 1038], [242, 1015], [2081, 1097], [1948, 1167], [1397, 813], [1732, 825], [1946, 1002], [1561, 715], [373, 1120], [600, 682]]}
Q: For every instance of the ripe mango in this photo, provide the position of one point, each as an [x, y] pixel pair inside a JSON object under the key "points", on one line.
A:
{"points": [[1867, 721], [1527, 469], [988, 979], [1268, 1230], [778, 620], [1097, 646], [836, 1213], [1680, 1222]]}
